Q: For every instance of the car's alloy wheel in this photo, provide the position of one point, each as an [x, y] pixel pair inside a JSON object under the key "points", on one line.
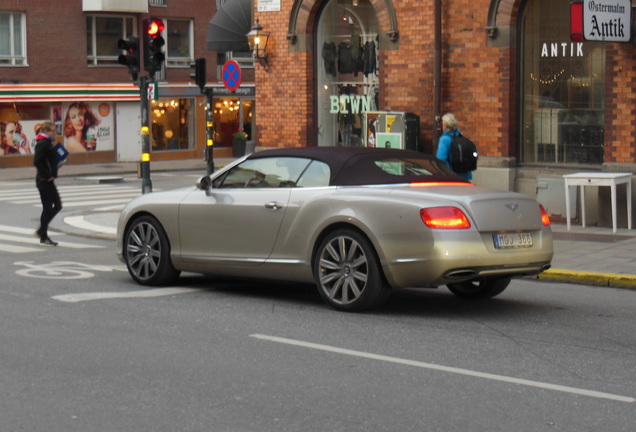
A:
{"points": [[147, 253], [347, 272], [479, 289]]}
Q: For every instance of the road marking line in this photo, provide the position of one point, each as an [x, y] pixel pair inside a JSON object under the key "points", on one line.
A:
{"points": [[159, 292], [459, 371], [81, 223]]}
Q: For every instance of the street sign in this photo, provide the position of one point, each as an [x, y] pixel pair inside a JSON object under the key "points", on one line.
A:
{"points": [[231, 75], [604, 20]]}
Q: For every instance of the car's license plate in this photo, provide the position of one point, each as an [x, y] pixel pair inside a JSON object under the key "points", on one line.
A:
{"points": [[512, 240]]}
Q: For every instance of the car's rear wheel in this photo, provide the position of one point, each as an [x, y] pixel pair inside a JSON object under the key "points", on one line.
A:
{"points": [[147, 253], [479, 289], [347, 272]]}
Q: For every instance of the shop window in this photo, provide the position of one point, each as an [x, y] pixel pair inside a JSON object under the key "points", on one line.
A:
{"points": [[12, 39], [179, 43], [230, 116], [347, 70], [102, 35], [562, 95], [173, 124]]}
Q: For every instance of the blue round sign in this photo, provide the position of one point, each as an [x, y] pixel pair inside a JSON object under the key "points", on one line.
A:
{"points": [[231, 75]]}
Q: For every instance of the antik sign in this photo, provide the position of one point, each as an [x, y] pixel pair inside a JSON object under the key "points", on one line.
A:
{"points": [[607, 20]]}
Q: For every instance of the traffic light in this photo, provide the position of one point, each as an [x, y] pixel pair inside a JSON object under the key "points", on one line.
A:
{"points": [[199, 72], [153, 44], [131, 58]]}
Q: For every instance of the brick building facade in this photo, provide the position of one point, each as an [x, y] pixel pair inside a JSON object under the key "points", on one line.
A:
{"points": [[537, 104]]}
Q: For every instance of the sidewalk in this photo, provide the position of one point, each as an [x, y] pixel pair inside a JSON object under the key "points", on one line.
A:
{"points": [[593, 256]]}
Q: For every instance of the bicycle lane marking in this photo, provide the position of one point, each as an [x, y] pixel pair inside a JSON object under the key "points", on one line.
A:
{"points": [[159, 292], [62, 269]]}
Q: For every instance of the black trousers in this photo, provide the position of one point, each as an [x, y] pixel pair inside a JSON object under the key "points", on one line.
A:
{"points": [[51, 205]]}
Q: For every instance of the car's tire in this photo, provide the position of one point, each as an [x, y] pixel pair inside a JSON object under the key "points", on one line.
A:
{"points": [[347, 272], [147, 253], [483, 289]]}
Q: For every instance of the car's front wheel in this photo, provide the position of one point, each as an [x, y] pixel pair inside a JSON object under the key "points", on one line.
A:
{"points": [[479, 289], [147, 253], [347, 272]]}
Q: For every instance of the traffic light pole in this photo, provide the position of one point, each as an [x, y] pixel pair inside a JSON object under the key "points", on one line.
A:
{"points": [[144, 165], [209, 130]]}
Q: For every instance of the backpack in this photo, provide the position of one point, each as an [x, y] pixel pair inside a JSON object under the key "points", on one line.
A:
{"points": [[463, 154]]}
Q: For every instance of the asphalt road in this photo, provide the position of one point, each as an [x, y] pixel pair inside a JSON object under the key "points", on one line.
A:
{"points": [[83, 348]]}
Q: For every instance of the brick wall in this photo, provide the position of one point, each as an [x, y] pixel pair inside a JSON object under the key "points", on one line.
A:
{"points": [[476, 79], [56, 42]]}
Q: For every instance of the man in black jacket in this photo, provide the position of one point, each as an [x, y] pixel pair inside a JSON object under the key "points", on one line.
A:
{"points": [[45, 161]]}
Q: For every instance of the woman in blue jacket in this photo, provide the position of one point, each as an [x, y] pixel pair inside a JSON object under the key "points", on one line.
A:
{"points": [[450, 126]]}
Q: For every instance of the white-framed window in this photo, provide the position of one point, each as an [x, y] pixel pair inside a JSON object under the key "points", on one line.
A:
{"points": [[179, 36], [12, 39], [102, 34], [245, 59]]}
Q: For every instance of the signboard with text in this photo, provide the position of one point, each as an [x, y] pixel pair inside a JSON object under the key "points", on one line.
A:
{"points": [[268, 5], [607, 20]]}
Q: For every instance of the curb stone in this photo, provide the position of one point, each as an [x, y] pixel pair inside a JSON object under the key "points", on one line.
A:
{"points": [[610, 280]]}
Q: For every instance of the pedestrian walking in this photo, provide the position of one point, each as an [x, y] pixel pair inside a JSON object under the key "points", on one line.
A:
{"points": [[450, 126], [45, 161]]}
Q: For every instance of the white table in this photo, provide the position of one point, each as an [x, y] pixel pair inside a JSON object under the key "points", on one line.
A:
{"points": [[598, 179]]}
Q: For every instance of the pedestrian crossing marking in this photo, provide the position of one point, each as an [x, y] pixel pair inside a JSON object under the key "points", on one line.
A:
{"points": [[25, 236], [36, 241], [18, 249], [76, 196]]}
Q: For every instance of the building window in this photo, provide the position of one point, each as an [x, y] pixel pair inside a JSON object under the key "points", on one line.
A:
{"points": [[179, 42], [12, 39], [348, 82], [562, 93], [173, 124], [102, 35]]}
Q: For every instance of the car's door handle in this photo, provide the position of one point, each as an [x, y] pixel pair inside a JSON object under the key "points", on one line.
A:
{"points": [[273, 205]]}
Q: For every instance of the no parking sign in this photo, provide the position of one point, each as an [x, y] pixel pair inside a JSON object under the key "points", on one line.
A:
{"points": [[231, 75]]}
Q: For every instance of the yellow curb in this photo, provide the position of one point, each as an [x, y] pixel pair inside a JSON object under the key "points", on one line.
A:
{"points": [[590, 278]]}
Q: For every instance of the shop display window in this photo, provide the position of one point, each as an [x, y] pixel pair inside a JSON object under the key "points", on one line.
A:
{"points": [[347, 70], [562, 109], [173, 124], [233, 118]]}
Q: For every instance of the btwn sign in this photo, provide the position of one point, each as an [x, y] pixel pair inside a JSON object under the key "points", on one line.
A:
{"points": [[607, 20]]}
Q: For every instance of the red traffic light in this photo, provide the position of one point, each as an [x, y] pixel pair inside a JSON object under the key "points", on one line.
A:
{"points": [[155, 27]]}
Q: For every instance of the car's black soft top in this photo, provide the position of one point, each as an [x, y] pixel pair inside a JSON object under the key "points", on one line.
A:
{"points": [[363, 165]]}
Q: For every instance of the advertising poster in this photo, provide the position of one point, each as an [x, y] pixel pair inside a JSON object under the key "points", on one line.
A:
{"points": [[87, 126], [18, 137], [389, 140], [372, 126]]}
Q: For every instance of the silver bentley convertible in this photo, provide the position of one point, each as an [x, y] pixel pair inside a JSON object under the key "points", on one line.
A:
{"points": [[358, 222]]}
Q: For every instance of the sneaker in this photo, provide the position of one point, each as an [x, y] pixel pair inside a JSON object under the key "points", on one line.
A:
{"points": [[48, 242], [37, 234]]}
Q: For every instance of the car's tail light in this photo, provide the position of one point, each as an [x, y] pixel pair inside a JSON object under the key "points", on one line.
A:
{"points": [[545, 218], [444, 218]]}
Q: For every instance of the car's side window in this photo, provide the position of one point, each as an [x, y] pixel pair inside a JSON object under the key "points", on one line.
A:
{"points": [[316, 175], [265, 172]]}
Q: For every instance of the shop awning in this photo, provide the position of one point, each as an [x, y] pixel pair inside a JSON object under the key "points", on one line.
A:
{"points": [[229, 25]]}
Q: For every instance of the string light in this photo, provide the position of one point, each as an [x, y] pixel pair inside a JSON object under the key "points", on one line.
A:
{"points": [[554, 78]]}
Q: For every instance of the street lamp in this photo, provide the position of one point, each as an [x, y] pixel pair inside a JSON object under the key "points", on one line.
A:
{"points": [[257, 39]]}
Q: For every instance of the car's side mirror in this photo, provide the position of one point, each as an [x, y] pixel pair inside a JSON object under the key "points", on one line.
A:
{"points": [[204, 183]]}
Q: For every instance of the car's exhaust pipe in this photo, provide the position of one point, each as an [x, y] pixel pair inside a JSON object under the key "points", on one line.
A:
{"points": [[461, 274]]}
